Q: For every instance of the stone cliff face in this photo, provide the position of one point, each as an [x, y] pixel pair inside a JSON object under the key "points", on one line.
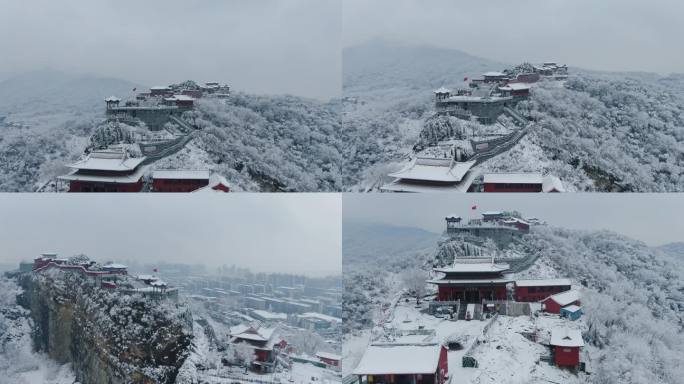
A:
{"points": [[109, 338]]}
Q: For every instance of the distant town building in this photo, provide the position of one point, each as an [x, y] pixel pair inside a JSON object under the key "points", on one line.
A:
{"points": [[318, 321]]}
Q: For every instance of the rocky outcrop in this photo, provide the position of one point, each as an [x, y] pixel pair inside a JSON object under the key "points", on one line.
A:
{"points": [[109, 337]]}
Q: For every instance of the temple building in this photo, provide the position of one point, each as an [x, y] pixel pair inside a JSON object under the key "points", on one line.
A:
{"points": [[515, 90], [217, 183], [554, 303], [180, 101], [537, 290], [566, 344], [403, 363], [472, 280], [521, 182], [499, 227], [161, 91], [109, 170], [330, 359], [427, 174], [264, 341], [484, 102], [112, 102]]}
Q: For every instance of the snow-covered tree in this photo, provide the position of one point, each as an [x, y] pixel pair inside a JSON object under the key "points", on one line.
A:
{"points": [[240, 354], [414, 281]]}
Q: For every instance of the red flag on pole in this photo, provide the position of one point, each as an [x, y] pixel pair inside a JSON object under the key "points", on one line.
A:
{"points": [[474, 207], [155, 270], [465, 78]]}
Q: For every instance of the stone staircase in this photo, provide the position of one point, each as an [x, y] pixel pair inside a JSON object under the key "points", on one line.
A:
{"points": [[520, 120]]}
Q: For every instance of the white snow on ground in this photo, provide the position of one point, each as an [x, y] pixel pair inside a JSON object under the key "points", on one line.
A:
{"points": [[528, 156], [301, 373], [500, 349], [504, 347], [46, 372], [353, 349], [19, 364], [503, 353], [195, 158], [190, 157]]}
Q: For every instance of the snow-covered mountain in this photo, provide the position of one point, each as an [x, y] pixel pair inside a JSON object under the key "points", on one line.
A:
{"points": [[259, 143], [599, 132], [48, 117], [50, 91], [633, 298], [382, 243], [673, 249]]}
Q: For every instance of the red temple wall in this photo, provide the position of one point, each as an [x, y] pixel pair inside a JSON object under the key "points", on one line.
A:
{"points": [[512, 187], [566, 356], [447, 293], [527, 295], [180, 185], [87, 186]]}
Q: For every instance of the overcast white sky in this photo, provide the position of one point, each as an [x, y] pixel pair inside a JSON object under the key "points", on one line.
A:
{"points": [[616, 35], [293, 233], [652, 218], [259, 46]]}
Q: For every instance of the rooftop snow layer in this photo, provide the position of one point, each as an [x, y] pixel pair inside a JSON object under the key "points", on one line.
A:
{"points": [[474, 267], [572, 308], [542, 282], [399, 359], [552, 183], [125, 178], [515, 87], [269, 315], [108, 160], [565, 337], [115, 266], [513, 178], [565, 298], [441, 173], [181, 174], [329, 356]]}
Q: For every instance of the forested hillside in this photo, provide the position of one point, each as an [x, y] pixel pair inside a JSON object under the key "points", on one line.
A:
{"points": [[633, 297], [597, 131], [259, 143]]}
